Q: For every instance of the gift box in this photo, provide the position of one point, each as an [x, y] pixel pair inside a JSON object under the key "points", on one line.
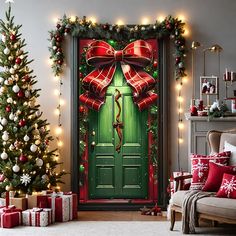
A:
{"points": [[64, 206], [38, 200], [40, 217], [2, 202], [19, 202], [10, 217]]}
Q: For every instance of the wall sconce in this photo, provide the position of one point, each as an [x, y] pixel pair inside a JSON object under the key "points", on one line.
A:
{"points": [[216, 49], [194, 47]]}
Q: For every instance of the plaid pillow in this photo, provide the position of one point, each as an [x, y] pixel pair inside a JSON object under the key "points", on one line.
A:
{"points": [[200, 167]]}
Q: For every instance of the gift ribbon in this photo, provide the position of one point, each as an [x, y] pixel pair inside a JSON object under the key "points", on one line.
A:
{"points": [[133, 58]]}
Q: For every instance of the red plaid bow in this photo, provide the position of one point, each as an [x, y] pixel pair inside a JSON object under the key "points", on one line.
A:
{"points": [[132, 58]]}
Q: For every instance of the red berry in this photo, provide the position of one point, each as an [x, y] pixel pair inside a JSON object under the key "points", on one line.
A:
{"points": [[155, 63], [81, 75], [26, 78], [8, 108], [21, 94], [58, 39], [59, 62], [67, 30], [81, 109], [12, 37], [23, 158], [22, 123], [59, 49], [18, 61], [177, 60]]}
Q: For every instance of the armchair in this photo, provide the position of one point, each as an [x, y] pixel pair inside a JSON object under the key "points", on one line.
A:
{"points": [[212, 208]]}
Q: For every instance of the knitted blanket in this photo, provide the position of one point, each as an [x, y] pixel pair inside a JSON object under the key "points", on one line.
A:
{"points": [[189, 213]]}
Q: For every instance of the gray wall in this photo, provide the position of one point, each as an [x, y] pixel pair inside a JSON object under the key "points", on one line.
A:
{"points": [[209, 21]]}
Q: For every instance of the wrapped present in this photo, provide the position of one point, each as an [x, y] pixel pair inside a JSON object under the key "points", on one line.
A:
{"points": [[40, 217], [37, 200], [2, 202], [19, 202], [73, 204], [10, 217]]}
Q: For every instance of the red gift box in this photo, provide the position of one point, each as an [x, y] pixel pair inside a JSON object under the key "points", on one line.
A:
{"points": [[64, 206], [10, 217]]}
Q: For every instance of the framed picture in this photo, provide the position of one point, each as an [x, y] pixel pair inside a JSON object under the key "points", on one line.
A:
{"points": [[208, 85]]}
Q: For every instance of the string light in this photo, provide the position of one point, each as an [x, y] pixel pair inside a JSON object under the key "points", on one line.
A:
{"points": [[72, 18], [93, 20], [145, 21], [120, 22], [160, 18]]}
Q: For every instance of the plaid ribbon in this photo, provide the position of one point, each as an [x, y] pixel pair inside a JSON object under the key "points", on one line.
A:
{"points": [[132, 58]]}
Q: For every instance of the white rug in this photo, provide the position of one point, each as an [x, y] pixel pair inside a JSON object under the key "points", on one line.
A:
{"points": [[108, 228]]}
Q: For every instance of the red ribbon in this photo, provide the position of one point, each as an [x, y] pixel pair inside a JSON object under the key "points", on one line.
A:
{"points": [[132, 58]]}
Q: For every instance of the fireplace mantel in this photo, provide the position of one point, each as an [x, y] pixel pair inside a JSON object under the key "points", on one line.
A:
{"points": [[198, 128]]}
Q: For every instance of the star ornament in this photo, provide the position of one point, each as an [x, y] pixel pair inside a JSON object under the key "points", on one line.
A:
{"points": [[9, 1]]}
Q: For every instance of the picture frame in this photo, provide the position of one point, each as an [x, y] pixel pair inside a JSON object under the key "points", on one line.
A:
{"points": [[209, 85]]}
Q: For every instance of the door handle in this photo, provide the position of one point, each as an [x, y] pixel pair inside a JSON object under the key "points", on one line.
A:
{"points": [[118, 125]]}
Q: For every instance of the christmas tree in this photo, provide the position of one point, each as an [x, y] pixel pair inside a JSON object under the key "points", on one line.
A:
{"points": [[26, 163]]}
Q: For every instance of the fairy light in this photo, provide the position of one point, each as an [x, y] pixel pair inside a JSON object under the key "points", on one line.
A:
{"points": [[120, 22], [182, 17], [145, 21], [92, 19], [160, 18], [72, 19], [50, 62]]}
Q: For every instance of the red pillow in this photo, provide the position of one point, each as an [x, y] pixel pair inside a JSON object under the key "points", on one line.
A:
{"points": [[215, 175], [228, 187], [200, 167]]}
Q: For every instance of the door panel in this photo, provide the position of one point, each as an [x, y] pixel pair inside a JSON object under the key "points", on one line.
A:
{"points": [[113, 174]]}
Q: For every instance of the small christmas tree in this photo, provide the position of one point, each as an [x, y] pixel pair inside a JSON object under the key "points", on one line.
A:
{"points": [[26, 164]]}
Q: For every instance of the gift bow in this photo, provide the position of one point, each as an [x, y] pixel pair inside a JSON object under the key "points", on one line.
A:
{"points": [[132, 58]]}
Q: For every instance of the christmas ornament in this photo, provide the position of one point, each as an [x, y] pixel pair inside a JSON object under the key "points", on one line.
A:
{"points": [[4, 121], [81, 109], [8, 188], [39, 162], [81, 168], [23, 158], [26, 78], [26, 138], [38, 113], [15, 88], [20, 94], [25, 179], [6, 82], [18, 61], [44, 178], [27, 93], [154, 74], [177, 60], [37, 142], [16, 67], [16, 118], [1, 80], [11, 116], [4, 38], [4, 155], [155, 64], [1, 127], [12, 37], [8, 108], [11, 147], [12, 70], [22, 122], [6, 51], [16, 168], [33, 148], [2, 177], [5, 136], [181, 65], [15, 129], [9, 100]]}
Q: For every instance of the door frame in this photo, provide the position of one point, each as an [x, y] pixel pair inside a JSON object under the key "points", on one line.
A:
{"points": [[163, 104]]}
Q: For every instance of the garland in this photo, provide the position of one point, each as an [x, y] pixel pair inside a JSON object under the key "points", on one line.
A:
{"points": [[117, 36]]}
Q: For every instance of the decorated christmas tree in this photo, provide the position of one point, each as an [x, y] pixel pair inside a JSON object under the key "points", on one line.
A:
{"points": [[26, 163]]}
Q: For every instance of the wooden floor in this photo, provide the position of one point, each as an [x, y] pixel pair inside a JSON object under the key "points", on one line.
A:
{"points": [[117, 216]]}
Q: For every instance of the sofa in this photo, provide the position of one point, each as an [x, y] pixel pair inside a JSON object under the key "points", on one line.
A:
{"points": [[222, 210]]}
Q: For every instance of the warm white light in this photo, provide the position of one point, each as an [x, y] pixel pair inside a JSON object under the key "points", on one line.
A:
{"points": [[93, 19], [57, 112], [185, 79], [181, 140], [181, 17], [72, 18], [178, 87], [56, 92], [62, 102], [60, 143], [145, 21], [50, 62], [58, 130], [180, 99], [56, 78], [120, 22], [55, 19], [181, 125], [180, 110], [160, 18], [186, 32], [47, 127]]}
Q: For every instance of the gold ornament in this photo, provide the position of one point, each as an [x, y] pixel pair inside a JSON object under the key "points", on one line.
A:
{"points": [[37, 142], [8, 188], [10, 58]]}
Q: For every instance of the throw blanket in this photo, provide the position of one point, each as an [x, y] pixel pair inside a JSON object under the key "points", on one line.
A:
{"points": [[189, 213]]}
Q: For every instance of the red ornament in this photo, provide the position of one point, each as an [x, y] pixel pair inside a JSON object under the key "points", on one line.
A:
{"points": [[22, 122], [67, 30], [18, 61], [59, 50], [12, 37], [81, 75], [58, 38], [46, 141], [23, 158], [81, 109], [59, 62], [177, 60], [105, 27], [21, 94], [193, 111], [155, 63], [26, 78], [2, 177], [8, 108]]}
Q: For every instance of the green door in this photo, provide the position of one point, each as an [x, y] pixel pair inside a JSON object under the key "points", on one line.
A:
{"points": [[124, 173]]}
